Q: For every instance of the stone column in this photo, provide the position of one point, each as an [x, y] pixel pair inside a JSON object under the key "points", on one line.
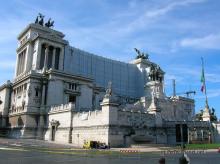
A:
{"points": [[61, 59], [53, 58], [22, 62], [40, 127], [46, 57], [18, 65], [27, 60], [71, 124], [43, 95], [38, 55], [16, 68]]}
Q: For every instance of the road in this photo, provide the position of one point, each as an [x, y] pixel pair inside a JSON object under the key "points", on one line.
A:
{"points": [[34, 154]]}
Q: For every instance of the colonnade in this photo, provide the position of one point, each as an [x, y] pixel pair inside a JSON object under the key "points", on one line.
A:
{"points": [[49, 57], [21, 62]]}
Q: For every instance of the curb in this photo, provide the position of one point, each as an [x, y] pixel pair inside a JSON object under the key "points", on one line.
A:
{"points": [[129, 151]]}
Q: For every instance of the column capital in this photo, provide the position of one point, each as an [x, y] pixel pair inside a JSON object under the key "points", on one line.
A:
{"points": [[46, 45]]}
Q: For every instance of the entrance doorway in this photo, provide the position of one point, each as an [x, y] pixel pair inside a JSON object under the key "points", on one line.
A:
{"points": [[184, 132], [72, 99], [53, 133]]}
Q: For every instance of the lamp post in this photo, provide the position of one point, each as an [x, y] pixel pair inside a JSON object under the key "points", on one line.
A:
{"points": [[181, 134], [184, 159]]}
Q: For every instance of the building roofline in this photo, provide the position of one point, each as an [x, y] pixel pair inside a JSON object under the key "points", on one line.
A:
{"points": [[8, 84], [39, 27]]}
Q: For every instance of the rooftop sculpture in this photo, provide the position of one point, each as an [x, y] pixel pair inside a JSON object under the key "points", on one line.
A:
{"points": [[141, 55], [40, 20]]}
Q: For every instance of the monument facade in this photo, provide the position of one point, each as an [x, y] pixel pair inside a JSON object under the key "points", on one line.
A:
{"points": [[65, 94]]}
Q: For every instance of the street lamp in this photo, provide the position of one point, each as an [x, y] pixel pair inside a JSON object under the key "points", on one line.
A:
{"points": [[181, 133], [184, 159]]}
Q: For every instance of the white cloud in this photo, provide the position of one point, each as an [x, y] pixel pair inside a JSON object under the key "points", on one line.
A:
{"points": [[170, 7], [213, 77], [193, 72], [207, 42], [150, 15], [7, 65], [211, 93]]}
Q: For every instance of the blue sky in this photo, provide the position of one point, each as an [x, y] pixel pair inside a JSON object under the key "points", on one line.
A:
{"points": [[176, 34]]}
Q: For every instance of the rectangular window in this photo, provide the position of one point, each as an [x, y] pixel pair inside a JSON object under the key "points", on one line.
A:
{"points": [[72, 86], [36, 92]]}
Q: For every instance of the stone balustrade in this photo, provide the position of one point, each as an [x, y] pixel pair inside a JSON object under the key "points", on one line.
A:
{"points": [[189, 123], [18, 109], [62, 107]]}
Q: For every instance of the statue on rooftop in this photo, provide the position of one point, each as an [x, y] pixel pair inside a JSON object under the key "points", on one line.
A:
{"points": [[155, 73], [40, 20], [49, 23], [109, 89], [141, 55], [36, 20]]}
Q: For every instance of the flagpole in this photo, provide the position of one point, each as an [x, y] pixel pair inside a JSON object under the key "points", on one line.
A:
{"points": [[206, 101]]}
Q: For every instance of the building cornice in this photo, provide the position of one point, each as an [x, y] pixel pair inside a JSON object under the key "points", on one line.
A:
{"points": [[39, 27], [67, 75], [6, 85]]}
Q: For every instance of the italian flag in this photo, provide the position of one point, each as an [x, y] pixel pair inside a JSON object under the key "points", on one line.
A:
{"points": [[203, 81]]}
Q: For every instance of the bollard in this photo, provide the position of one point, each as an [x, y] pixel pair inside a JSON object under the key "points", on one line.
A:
{"points": [[184, 159], [162, 160]]}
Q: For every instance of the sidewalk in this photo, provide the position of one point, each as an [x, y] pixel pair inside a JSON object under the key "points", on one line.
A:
{"points": [[51, 145], [35, 143]]}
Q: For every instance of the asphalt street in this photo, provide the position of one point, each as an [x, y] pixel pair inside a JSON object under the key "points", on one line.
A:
{"points": [[41, 152]]}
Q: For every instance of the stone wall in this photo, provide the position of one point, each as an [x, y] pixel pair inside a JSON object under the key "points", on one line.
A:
{"points": [[23, 126], [5, 98], [62, 114]]}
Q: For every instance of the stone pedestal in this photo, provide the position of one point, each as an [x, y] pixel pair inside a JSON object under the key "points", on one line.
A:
{"points": [[155, 109], [155, 87], [40, 128], [206, 114]]}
